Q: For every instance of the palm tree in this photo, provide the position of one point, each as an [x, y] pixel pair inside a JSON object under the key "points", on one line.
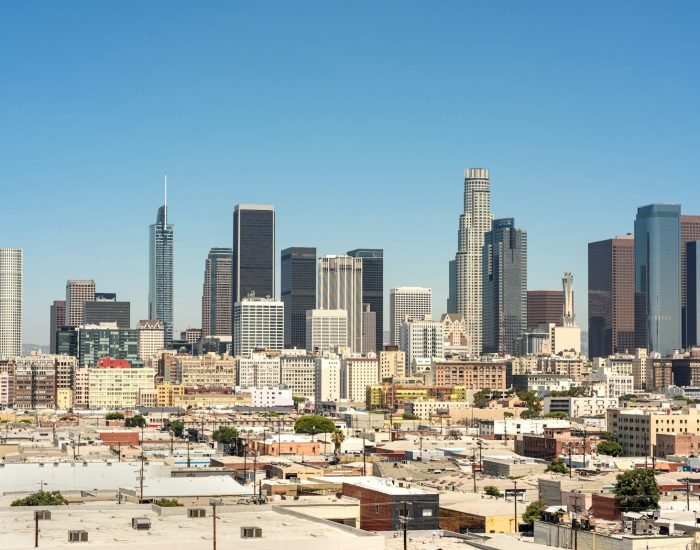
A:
{"points": [[337, 438]]}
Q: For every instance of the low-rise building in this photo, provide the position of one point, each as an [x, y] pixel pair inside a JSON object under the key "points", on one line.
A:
{"points": [[541, 383], [578, 407], [477, 375], [426, 409], [507, 466], [114, 384], [684, 444]]}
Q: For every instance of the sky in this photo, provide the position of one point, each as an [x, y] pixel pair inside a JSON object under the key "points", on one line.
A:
{"points": [[355, 119]]}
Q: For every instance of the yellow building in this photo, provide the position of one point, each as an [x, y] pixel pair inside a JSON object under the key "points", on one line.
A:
{"points": [[178, 395], [118, 387], [487, 515], [64, 398], [391, 395]]}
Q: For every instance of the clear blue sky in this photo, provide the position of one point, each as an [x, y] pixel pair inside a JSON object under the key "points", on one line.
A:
{"points": [[356, 119]]}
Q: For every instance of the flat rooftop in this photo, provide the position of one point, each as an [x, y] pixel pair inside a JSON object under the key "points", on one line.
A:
{"points": [[110, 528], [383, 485]]}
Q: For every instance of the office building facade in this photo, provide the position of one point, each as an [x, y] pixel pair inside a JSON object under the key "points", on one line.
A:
{"points": [[339, 286], [253, 251], [298, 292], [657, 278], [77, 293], [422, 340], [692, 303], [474, 223], [505, 287], [373, 288], [161, 271], [57, 319], [544, 307], [408, 302], [326, 330], [258, 324], [96, 342], [611, 296], [11, 302], [216, 293], [151, 338], [106, 309]]}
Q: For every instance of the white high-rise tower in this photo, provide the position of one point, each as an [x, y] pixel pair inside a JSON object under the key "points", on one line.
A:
{"points": [[568, 319], [10, 302], [473, 225]]}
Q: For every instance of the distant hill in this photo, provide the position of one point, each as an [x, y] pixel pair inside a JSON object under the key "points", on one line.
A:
{"points": [[28, 348]]}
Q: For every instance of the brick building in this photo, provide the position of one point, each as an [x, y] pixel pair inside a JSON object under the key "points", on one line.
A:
{"points": [[474, 375], [684, 444]]}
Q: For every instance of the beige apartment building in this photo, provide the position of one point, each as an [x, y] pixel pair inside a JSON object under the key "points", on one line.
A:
{"points": [[392, 363], [118, 388], [636, 429], [210, 370]]}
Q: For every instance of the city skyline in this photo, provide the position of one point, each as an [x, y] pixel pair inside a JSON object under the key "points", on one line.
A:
{"points": [[207, 114]]}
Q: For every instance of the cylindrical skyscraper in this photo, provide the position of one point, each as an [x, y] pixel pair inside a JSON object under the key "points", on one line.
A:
{"points": [[10, 302]]}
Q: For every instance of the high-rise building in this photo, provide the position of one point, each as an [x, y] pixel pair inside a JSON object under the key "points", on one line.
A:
{"points": [[356, 373], [566, 335], [161, 260], [544, 307], [452, 296], [77, 293], [57, 319], [10, 302], [392, 363], [326, 330], [611, 296], [253, 251], [327, 380], [258, 323], [657, 277], [408, 302], [107, 340], [216, 293], [505, 287], [474, 223], [106, 309], [298, 292], [340, 287], [373, 288], [692, 303], [422, 339], [151, 338], [369, 334], [690, 231]]}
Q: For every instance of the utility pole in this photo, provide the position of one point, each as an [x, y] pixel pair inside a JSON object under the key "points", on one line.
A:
{"points": [[505, 430], [141, 478], [515, 506], [585, 435], [36, 529], [364, 455], [687, 493], [188, 449], [404, 524], [481, 463], [474, 468], [213, 519], [571, 464]]}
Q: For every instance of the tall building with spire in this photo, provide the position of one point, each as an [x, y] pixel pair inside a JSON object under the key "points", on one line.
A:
{"points": [[474, 223], [160, 280], [216, 293]]}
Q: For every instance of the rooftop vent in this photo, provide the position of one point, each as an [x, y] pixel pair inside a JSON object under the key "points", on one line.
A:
{"points": [[141, 524], [196, 512], [251, 533], [77, 536], [42, 514]]}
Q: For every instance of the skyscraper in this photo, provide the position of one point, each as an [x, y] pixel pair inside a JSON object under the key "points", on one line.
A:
{"points": [[161, 258], [611, 296], [106, 309], [373, 287], [408, 302], [57, 319], [216, 293], [452, 295], [544, 307], [692, 304], [253, 251], [690, 231], [473, 225], [258, 323], [505, 287], [77, 293], [657, 277], [11, 274], [298, 290], [340, 287]]}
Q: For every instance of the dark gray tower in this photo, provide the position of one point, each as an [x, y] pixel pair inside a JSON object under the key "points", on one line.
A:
{"points": [[373, 287], [216, 293], [505, 286], [253, 251], [298, 286]]}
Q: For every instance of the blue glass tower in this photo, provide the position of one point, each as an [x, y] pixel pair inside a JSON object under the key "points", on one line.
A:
{"points": [[657, 278], [160, 280]]}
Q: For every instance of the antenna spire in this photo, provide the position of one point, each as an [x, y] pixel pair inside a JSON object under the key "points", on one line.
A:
{"points": [[165, 202]]}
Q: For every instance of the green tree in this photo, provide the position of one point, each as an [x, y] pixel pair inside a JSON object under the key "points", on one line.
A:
{"points": [[492, 491], [636, 490], [609, 448], [337, 438], [177, 427], [508, 414], [114, 416], [557, 466], [41, 498], [298, 400], [167, 503], [528, 414], [482, 398], [314, 424], [409, 416], [136, 421], [533, 512], [227, 436]]}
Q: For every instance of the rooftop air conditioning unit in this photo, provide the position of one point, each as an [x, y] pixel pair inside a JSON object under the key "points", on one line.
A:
{"points": [[196, 512], [251, 532], [141, 524], [77, 536], [42, 514]]}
